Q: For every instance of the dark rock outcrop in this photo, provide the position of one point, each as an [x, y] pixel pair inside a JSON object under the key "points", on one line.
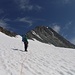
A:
{"points": [[49, 36], [12, 34]]}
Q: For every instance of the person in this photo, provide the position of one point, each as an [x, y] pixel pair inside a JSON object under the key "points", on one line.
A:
{"points": [[24, 39]]}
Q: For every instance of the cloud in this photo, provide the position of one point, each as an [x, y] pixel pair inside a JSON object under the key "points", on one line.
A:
{"points": [[25, 20], [67, 25], [25, 5], [72, 41], [7, 19], [3, 24], [56, 28], [38, 7]]}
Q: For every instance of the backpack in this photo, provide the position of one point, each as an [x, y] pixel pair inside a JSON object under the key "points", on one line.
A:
{"points": [[24, 39]]}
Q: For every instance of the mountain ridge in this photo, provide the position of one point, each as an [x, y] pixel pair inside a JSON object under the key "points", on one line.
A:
{"points": [[43, 34], [7, 32], [49, 36]]}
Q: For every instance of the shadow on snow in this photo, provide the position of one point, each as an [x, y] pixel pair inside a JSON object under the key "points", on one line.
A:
{"points": [[17, 50]]}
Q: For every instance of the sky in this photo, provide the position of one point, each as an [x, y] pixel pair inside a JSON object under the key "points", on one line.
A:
{"points": [[21, 16]]}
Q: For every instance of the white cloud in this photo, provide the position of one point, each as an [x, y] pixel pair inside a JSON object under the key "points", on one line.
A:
{"points": [[73, 41], [3, 24], [22, 4], [56, 28], [7, 19], [38, 7], [25, 20], [25, 5], [67, 25]]}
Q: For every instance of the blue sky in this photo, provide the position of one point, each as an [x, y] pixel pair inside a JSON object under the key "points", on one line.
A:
{"points": [[23, 15]]}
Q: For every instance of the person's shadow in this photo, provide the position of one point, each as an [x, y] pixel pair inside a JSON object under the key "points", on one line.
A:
{"points": [[17, 50]]}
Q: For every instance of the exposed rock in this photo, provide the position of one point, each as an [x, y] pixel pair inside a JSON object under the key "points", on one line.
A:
{"points": [[12, 34], [49, 36]]}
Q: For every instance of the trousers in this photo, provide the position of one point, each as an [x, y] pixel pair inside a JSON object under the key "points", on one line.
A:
{"points": [[25, 46]]}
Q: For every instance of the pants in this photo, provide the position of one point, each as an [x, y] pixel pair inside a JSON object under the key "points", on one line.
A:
{"points": [[25, 46]]}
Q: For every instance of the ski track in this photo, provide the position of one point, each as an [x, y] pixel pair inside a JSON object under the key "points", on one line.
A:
{"points": [[41, 59]]}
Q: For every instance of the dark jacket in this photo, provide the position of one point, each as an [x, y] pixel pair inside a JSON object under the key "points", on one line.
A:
{"points": [[24, 39]]}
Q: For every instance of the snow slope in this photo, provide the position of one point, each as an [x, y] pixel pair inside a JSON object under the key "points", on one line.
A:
{"points": [[41, 59]]}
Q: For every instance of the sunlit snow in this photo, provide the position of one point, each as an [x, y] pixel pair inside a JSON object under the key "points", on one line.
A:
{"points": [[41, 58]]}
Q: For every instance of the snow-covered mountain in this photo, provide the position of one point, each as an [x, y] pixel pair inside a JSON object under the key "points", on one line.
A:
{"points": [[41, 58], [49, 36], [7, 32]]}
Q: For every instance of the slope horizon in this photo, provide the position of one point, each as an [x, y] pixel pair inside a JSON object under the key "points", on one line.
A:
{"points": [[10, 33]]}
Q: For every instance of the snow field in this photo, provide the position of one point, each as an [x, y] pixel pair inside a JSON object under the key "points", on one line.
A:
{"points": [[41, 59]]}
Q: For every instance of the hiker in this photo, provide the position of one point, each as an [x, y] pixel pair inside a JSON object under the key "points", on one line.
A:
{"points": [[24, 39]]}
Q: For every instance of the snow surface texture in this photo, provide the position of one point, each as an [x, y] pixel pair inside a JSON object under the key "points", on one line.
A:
{"points": [[41, 59]]}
